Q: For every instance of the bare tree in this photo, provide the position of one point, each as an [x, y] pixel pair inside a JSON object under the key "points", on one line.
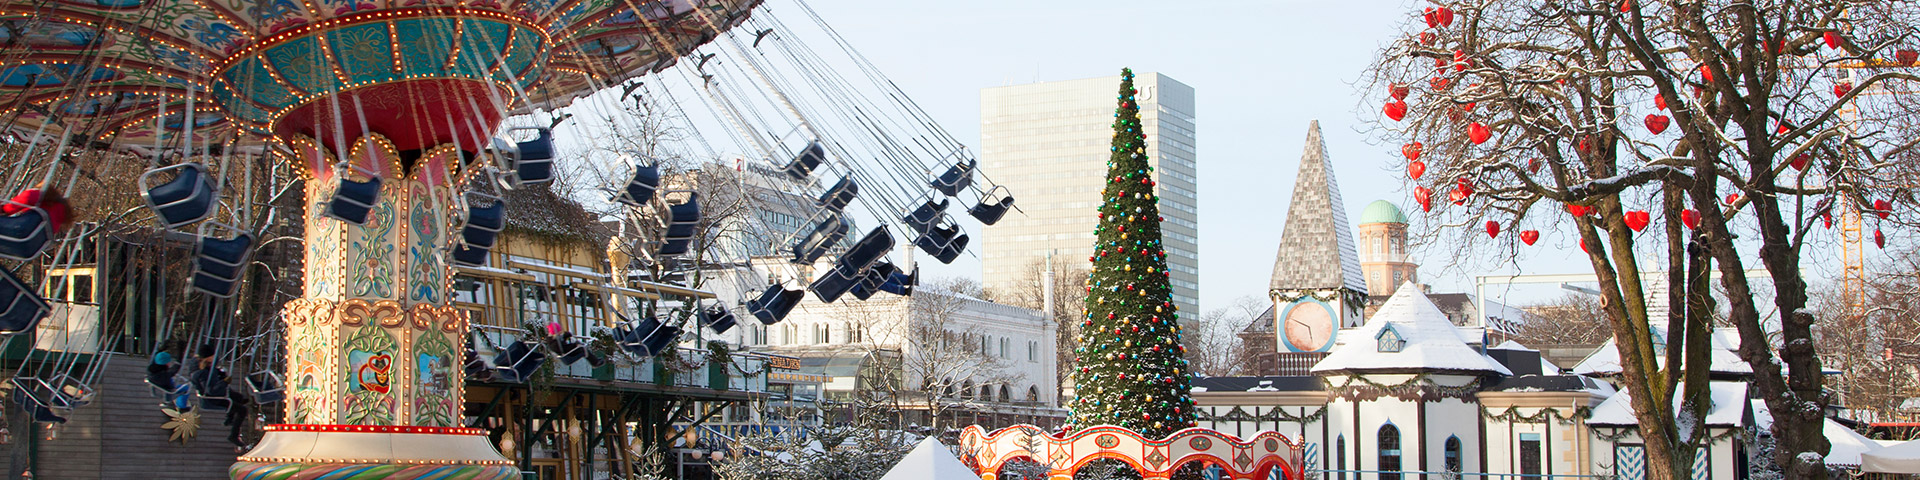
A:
{"points": [[1069, 307], [1214, 347], [1606, 109], [1573, 319], [944, 357], [1876, 350]]}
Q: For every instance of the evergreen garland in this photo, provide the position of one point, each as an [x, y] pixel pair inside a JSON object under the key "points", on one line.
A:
{"points": [[1133, 370]]}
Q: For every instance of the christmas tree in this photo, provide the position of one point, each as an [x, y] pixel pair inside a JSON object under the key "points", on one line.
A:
{"points": [[1133, 371]]}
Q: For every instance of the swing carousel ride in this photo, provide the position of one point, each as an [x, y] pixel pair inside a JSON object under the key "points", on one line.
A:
{"points": [[378, 138]]}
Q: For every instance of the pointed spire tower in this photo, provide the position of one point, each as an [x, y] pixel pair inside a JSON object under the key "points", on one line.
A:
{"points": [[1316, 288]]}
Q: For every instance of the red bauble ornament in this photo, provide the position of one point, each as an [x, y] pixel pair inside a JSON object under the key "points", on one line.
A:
{"points": [[1660, 101], [1637, 219], [1415, 169], [1493, 229], [1398, 91], [1412, 150], [1799, 162], [1879, 239], [1841, 89], [1579, 210], [1657, 123], [1832, 37], [1690, 218], [1424, 197], [1529, 236], [1396, 110], [1882, 208], [1478, 133], [1906, 57]]}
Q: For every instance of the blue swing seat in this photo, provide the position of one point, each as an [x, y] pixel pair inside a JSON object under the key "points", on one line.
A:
{"points": [[266, 387], [187, 198], [24, 235], [717, 318], [824, 236], [923, 217], [20, 308], [836, 198], [518, 362], [943, 242], [809, 158], [354, 200], [990, 211], [774, 304], [640, 190], [218, 263], [957, 178], [532, 160]]}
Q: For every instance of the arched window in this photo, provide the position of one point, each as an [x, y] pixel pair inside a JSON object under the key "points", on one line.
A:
{"points": [[1033, 394], [1389, 452], [1340, 457], [986, 393], [1452, 453], [1004, 395], [966, 389], [947, 391]]}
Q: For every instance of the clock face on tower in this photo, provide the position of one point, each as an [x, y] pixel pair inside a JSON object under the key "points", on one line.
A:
{"points": [[1309, 326]]}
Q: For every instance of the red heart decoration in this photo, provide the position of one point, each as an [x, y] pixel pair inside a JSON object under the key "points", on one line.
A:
{"points": [[1458, 196], [1779, 46], [1441, 84], [1832, 37], [1827, 219], [1585, 145], [1906, 57], [1879, 239], [1529, 236], [1657, 123], [1460, 62], [1445, 16], [1660, 101], [1456, 115], [1883, 208], [1412, 150], [1799, 162], [1427, 38], [1424, 197], [1784, 128], [1440, 65], [1626, 6], [1579, 210], [1583, 245], [1733, 198], [1841, 89], [1432, 18], [1706, 74], [1398, 90], [1690, 218], [1533, 165], [1396, 110], [1468, 107], [1637, 219], [1493, 229], [1478, 133], [1415, 169]]}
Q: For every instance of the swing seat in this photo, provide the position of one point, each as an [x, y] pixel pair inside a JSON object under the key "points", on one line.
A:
{"points": [[659, 340], [354, 200], [187, 198], [808, 159], [40, 400], [870, 282], [20, 309], [943, 242], [824, 236], [215, 404], [477, 369], [518, 363], [923, 217], [532, 160], [834, 283], [868, 250], [24, 235], [957, 178], [624, 334], [774, 304], [718, 318], [218, 263], [683, 217], [266, 387], [71, 391], [837, 198], [632, 336], [640, 190], [988, 211], [569, 350], [480, 234]]}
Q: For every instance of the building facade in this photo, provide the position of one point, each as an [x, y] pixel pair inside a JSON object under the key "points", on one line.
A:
{"points": [[1048, 144], [1383, 249]]}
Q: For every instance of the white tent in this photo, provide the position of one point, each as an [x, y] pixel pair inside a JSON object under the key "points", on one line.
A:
{"points": [[1848, 446], [930, 460], [1903, 457]]}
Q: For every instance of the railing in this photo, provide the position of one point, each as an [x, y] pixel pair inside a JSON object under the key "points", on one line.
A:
{"points": [[650, 370]]}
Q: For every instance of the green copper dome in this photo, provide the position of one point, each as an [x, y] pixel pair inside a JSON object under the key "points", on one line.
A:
{"points": [[1381, 211]]}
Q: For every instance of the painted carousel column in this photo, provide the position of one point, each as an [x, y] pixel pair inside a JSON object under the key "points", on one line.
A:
{"points": [[375, 391]]}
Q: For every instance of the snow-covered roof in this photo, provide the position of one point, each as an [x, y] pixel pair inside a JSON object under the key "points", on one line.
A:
{"points": [[930, 460], [1729, 407], [1432, 343], [1605, 361], [1847, 446], [1511, 345]]}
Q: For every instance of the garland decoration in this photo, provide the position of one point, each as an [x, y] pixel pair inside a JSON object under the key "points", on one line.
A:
{"points": [[1512, 415], [1420, 387], [1277, 415]]}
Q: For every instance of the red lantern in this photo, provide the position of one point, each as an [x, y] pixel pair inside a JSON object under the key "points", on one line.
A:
{"points": [[1636, 220], [1427, 38], [1533, 165], [1690, 218], [1441, 84], [1460, 62], [1706, 74], [1445, 16], [1478, 133], [1412, 150], [1432, 18], [1529, 236], [1657, 123], [1424, 197], [1626, 6], [1493, 229]]}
